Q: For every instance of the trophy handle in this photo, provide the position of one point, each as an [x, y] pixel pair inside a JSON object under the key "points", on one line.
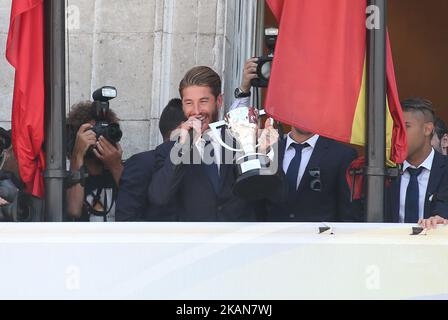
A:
{"points": [[215, 128]]}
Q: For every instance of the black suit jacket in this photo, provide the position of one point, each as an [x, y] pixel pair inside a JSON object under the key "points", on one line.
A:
{"points": [[436, 198], [189, 186], [132, 200], [331, 203]]}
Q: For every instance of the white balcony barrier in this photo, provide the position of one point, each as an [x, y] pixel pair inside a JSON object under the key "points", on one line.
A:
{"points": [[221, 261]]}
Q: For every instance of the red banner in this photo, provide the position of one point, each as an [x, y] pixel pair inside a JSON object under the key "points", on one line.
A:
{"points": [[318, 79], [25, 52]]}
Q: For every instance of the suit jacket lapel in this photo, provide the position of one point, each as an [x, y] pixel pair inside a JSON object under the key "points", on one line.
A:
{"points": [[226, 168], [206, 175], [438, 165], [395, 200], [281, 152]]}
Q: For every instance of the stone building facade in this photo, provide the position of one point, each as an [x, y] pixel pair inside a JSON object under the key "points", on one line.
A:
{"points": [[143, 47]]}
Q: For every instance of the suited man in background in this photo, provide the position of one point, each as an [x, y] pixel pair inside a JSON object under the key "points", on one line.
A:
{"points": [[202, 189], [132, 201], [440, 138], [315, 169], [422, 191]]}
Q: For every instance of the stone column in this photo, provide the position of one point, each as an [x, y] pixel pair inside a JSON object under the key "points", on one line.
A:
{"points": [[240, 42], [6, 71]]}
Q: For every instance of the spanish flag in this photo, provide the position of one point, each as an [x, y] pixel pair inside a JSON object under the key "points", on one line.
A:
{"points": [[25, 52], [318, 78]]}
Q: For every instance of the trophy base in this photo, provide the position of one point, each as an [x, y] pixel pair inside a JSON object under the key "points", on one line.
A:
{"points": [[256, 179]]}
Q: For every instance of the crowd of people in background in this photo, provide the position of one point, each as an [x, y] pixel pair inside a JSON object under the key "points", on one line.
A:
{"points": [[151, 186]]}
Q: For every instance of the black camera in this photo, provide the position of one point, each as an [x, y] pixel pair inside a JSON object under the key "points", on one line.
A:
{"points": [[5, 139], [265, 62], [100, 112]]}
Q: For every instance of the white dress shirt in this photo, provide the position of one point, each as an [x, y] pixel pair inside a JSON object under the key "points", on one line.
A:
{"points": [[423, 180], [290, 152], [240, 103]]}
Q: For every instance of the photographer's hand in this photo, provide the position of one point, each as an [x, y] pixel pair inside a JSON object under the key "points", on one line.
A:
{"points": [[85, 138], [249, 73], [111, 157], [3, 202]]}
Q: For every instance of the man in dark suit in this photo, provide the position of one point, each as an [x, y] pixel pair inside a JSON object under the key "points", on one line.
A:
{"points": [[422, 191], [202, 189], [315, 169], [132, 200]]}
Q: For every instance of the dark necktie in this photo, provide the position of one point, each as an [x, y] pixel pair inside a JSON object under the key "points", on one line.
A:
{"points": [[293, 169], [212, 170], [412, 196]]}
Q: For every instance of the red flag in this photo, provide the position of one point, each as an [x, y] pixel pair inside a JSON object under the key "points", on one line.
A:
{"points": [[318, 79], [25, 52]]}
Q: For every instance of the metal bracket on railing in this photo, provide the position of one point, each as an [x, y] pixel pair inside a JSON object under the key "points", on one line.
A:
{"points": [[418, 231], [326, 229], [70, 178]]}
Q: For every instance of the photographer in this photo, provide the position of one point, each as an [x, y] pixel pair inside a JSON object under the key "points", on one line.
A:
{"points": [[9, 184], [4, 144], [243, 92], [94, 154]]}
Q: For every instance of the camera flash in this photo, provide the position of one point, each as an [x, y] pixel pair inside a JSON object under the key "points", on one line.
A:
{"points": [[109, 92]]}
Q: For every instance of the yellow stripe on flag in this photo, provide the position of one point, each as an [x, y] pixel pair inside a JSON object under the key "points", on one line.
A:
{"points": [[359, 128], [359, 121]]}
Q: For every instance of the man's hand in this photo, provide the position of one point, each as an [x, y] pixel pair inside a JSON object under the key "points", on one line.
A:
{"points": [[268, 137], [85, 138], [3, 202], [192, 123], [108, 153], [432, 222], [249, 73]]}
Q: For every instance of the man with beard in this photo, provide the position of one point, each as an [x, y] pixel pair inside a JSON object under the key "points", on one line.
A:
{"points": [[201, 188]]}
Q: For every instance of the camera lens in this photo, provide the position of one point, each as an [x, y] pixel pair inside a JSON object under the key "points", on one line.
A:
{"points": [[114, 133], [5, 139], [266, 70]]}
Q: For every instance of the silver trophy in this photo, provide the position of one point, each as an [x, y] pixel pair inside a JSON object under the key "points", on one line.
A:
{"points": [[256, 175]]}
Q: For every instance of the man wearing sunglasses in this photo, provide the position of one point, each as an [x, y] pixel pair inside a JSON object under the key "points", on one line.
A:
{"points": [[315, 169]]}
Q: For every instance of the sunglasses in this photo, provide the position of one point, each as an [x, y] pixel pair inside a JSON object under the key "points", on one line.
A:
{"points": [[315, 184]]}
